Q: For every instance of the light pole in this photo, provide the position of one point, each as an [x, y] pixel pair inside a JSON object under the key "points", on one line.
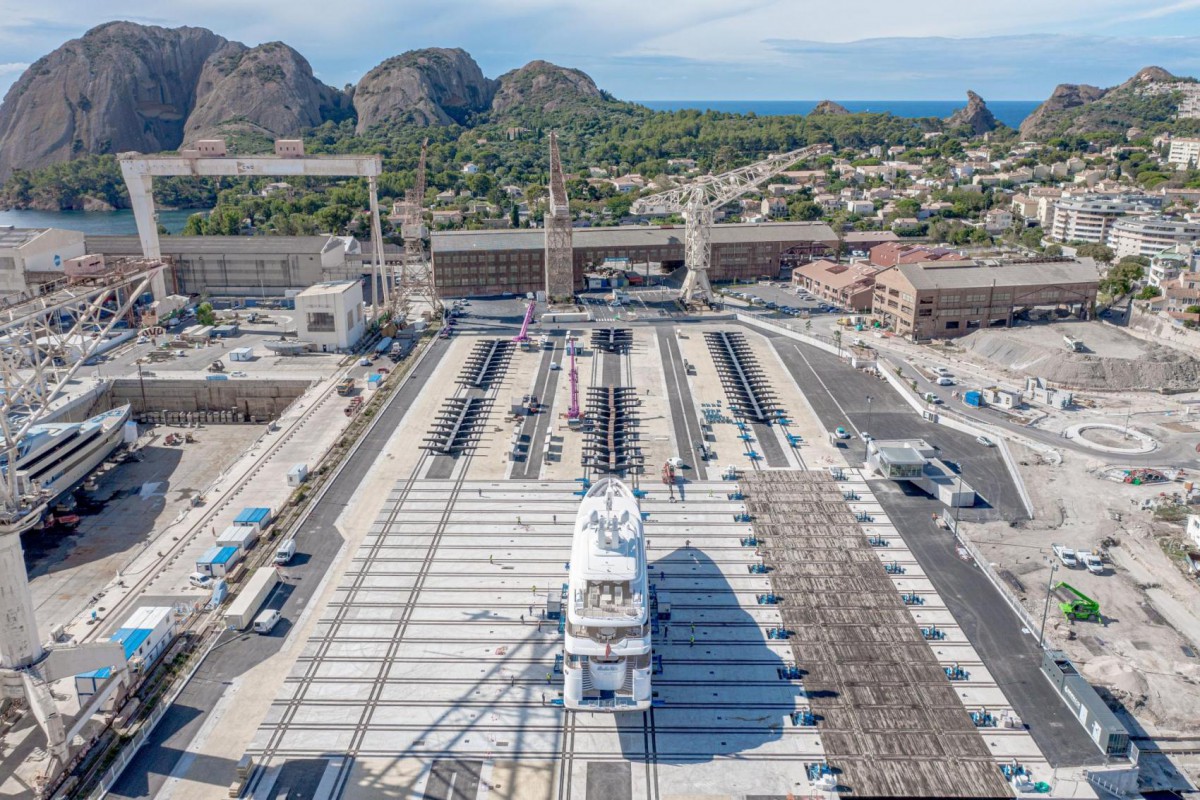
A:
{"points": [[867, 432], [1046, 607]]}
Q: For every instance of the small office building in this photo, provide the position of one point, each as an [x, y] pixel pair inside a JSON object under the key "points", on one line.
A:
{"points": [[331, 315]]}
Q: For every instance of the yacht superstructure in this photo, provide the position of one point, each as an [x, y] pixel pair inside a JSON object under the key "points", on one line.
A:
{"points": [[607, 644], [53, 457]]}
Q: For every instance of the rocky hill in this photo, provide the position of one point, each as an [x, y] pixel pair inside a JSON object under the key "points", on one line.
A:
{"points": [[267, 90], [828, 107], [120, 87], [546, 87], [1149, 97], [434, 86], [975, 115]]}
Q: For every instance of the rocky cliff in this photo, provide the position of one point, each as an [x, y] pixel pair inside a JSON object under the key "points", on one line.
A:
{"points": [[268, 90], [975, 115], [1143, 100], [119, 87], [425, 87], [546, 87], [829, 108]]}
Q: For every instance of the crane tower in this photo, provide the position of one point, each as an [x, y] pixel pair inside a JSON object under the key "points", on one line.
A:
{"points": [[698, 201], [416, 272], [560, 253]]}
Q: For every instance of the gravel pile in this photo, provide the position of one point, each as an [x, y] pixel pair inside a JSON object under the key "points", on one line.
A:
{"points": [[1157, 368]]}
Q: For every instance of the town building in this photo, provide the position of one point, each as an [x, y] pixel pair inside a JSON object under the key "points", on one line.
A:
{"points": [[1170, 264], [848, 286], [889, 254], [1149, 236], [259, 266], [1086, 219], [1184, 153], [30, 257], [944, 299], [331, 315], [997, 220]]}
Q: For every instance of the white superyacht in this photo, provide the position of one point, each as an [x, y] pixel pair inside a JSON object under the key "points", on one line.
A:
{"points": [[607, 659]]}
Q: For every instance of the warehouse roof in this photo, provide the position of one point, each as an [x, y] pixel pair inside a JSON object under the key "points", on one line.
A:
{"points": [[970, 274], [630, 236], [205, 245], [11, 237]]}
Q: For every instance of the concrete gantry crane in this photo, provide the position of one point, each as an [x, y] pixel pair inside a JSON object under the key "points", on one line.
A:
{"points": [[560, 254], [416, 271], [209, 159], [699, 199]]}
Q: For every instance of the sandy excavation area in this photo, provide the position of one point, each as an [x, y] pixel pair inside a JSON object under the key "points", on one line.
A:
{"points": [[1146, 649], [1111, 359]]}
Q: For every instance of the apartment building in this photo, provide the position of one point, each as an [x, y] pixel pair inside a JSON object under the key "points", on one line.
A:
{"points": [[1077, 219], [1184, 153], [848, 286], [945, 299], [1170, 264], [1149, 236]]}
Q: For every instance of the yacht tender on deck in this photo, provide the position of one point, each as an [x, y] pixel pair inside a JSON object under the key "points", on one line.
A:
{"points": [[606, 659]]}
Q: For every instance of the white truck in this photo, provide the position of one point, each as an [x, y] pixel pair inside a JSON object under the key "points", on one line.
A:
{"points": [[1066, 555], [1091, 561]]}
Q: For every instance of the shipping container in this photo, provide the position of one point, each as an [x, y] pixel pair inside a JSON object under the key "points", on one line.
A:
{"points": [[259, 517], [241, 354], [144, 636], [973, 398], [297, 475], [250, 597], [243, 537], [218, 561]]}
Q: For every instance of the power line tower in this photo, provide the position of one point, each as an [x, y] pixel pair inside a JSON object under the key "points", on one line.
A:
{"points": [[698, 201], [416, 270], [560, 254]]}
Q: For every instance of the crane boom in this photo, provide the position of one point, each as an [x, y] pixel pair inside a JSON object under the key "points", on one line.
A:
{"points": [[698, 201]]}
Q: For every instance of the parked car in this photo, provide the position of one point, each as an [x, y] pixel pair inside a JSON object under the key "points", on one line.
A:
{"points": [[1092, 562], [945, 380], [265, 622], [985, 441], [200, 580], [1065, 554], [840, 433]]}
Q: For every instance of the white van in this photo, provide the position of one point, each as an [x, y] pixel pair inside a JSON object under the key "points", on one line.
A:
{"points": [[265, 622], [285, 552]]}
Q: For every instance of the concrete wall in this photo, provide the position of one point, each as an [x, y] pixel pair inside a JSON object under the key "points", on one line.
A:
{"points": [[260, 399]]}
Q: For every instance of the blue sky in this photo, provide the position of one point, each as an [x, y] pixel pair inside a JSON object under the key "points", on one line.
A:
{"points": [[690, 49]]}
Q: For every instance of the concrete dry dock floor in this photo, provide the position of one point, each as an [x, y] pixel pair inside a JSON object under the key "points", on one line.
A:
{"points": [[423, 669], [891, 722]]}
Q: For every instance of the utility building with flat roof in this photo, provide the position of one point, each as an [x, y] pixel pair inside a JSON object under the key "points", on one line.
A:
{"points": [[944, 299], [495, 262], [331, 315]]}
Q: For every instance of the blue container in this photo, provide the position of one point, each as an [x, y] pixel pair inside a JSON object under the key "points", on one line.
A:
{"points": [[973, 398]]}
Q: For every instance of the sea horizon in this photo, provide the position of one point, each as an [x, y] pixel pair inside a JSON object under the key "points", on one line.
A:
{"points": [[1010, 112]]}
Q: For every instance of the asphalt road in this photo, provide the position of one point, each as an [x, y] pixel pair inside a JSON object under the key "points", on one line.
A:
{"points": [[839, 395], [318, 543], [684, 421], [535, 426], [851, 398]]}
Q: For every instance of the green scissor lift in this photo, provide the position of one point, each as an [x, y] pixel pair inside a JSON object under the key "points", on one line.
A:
{"points": [[1075, 604]]}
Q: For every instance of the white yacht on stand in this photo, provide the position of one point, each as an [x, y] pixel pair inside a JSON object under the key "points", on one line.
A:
{"points": [[53, 457], [607, 658]]}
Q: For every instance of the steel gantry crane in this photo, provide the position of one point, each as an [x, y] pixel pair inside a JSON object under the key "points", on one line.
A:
{"points": [[699, 199], [47, 339], [416, 271]]}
